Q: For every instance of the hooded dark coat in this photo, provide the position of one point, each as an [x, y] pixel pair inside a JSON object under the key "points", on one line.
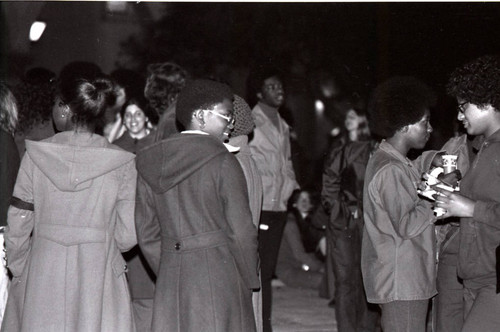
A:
{"points": [[195, 229]]}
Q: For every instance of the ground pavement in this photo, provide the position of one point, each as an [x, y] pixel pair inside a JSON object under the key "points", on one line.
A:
{"points": [[298, 310]]}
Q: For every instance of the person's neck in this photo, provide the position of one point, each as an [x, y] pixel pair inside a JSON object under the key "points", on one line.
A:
{"points": [[353, 135], [271, 112], [139, 135], [399, 144]]}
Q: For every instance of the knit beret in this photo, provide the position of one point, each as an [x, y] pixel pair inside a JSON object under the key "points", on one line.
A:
{"points": [[244, 123], [200, 94]]}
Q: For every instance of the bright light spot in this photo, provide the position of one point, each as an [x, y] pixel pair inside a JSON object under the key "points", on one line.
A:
{"points": [[36, 31], [319, 107]]}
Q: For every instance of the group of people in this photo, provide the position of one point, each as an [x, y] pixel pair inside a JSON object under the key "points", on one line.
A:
{"points": [[162, 206], [146, 208], [390, 253]]}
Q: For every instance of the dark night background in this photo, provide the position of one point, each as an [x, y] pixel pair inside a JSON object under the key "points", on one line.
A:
{"points": [[360, 44]]}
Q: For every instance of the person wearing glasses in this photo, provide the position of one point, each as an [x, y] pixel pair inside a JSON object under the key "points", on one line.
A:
{"points": [[193, 219], [271, 151], [476, 86]]}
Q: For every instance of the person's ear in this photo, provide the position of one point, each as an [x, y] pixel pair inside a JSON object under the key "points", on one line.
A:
{"points": [[199, 116], [404, 129], [259, 95]]}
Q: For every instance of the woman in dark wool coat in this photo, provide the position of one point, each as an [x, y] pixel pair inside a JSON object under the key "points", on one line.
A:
{"points": [[193, 219]]}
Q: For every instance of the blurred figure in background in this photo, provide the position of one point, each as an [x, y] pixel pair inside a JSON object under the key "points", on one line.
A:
{"points": [[71, 216], [9, 166], [128, 84], [141, 279], [165, 81], [35, 97], [342, 199], [243, 126], [299, 263], [270, 149], [136, 114]]}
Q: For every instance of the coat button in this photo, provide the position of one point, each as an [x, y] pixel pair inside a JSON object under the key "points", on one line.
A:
{"points": [[177, 246]]}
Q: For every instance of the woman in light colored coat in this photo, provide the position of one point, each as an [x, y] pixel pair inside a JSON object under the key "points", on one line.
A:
{"points": [[70, 218]]}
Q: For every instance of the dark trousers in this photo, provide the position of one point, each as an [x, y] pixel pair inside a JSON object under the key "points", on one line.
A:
{"points": [[269, 245], [352, 311]]}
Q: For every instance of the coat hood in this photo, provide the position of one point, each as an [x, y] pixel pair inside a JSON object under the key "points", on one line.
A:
{"points": [[171, 161], [71, 161]]}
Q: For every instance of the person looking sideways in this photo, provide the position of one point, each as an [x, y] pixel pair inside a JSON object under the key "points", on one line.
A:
{"points": [[398, 244], [270, 149], [70, 218], [9, 166], [342, 199], [193, 219], [476, 86]]}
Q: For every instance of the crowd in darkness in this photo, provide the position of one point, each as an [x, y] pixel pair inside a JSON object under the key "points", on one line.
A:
{"points": [[160, 201]]}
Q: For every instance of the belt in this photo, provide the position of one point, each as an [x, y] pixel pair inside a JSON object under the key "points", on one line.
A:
{"points": [[194, 242]]}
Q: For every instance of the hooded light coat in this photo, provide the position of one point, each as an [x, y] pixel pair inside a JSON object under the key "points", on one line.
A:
{"points": [[70, 274], [195, 228]]}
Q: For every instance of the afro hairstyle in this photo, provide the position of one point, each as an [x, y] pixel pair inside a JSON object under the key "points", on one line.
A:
{"points": [[397, 102], [200, 94], [477, 82]]}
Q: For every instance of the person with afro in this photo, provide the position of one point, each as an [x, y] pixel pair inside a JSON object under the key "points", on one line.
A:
{"points": [[476, 86], [193, 219], [398, 245]]}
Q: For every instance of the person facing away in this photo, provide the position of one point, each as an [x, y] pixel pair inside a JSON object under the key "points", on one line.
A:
{"points": [[9, 166], [398, 254], [342, 199], [193, 220], [164, 82], [35, 96], [270, 147], [476, 86], [70, 218]]}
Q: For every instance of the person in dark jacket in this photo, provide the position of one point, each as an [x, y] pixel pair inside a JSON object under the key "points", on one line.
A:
{"points": [[193, 219], [342, 198], [476, 86], [9, 166]]}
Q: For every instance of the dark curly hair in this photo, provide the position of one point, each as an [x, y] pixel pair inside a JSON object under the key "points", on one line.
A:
{"points": [[164, 82], [35, 96], [477, 82], [397, 102], [200, 94]]}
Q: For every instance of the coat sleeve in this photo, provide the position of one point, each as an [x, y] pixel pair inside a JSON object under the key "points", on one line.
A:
{"points": [[20, 220], [125, 229], [147, 225], [394, 192], [240, 230], [331, 180]]}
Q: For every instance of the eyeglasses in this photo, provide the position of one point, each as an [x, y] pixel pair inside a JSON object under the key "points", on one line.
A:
{"points": [[229, 118], [273, 87], [461, 106]]}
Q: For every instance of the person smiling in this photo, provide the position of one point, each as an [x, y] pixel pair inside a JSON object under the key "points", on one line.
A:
{"points": [[135, 114], [398, 245], [476, 86]]}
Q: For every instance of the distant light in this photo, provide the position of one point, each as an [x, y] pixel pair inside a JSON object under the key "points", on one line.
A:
{"points": [[319, 107], [36, 31]]}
